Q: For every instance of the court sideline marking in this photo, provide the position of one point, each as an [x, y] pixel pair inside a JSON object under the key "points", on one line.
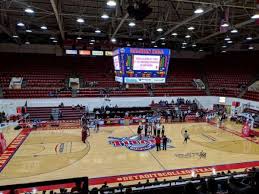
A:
{"points": [[13, 147]]}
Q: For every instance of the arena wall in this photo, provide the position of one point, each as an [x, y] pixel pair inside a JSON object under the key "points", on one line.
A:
{"points": [[9, 105]]}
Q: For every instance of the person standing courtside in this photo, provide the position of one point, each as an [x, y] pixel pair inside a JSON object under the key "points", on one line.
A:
{"points": [[139, 131], [186, 137], [158, 128], [154, 129], [164, 142], [163, 130], [158, 143], [146, 129]]}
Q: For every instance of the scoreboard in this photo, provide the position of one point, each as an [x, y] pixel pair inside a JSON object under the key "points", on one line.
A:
{"points": [[141, 65]]}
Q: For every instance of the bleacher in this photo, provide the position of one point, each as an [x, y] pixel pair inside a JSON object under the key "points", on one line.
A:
{"points": [[227, 83], [42, 79], [43, 113]]}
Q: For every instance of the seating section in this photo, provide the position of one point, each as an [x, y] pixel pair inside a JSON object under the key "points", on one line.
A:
{"points": [[43, 113], [227, 83], [251, 95], [48, 77], [179, 82], [38, 81]]}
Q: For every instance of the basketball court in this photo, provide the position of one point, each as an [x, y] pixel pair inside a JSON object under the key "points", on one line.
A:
{"points": [[58, 154]]}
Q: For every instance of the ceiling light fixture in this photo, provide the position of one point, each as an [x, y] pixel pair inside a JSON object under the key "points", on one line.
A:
{"points": [[224, 46], [188, 36], [234, 31], [225, 24], [153, 42], [155, 46], [255, 16], [29, 10], [52, 38], [97, 31], [174, 34], [15, 36], [20, 24], [128, 44], [249, 38], [198, 11], [55, 41], [80, 20], [140, 39], [251, 48], [162, 38], [91, 43], [227, 38], [28, 31], [105, 16], [159, 29], [163, 43], [43, 27], [191, 28], [79, 38], [111, 3], [194, 45], [113, 40], [230, 41], [201, 50], [27, 42], [132, 24]]}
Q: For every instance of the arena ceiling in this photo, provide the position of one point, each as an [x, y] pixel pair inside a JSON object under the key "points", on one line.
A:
{"points": [[172, 16]]}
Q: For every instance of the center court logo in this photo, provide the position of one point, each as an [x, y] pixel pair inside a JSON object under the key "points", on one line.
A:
{"points": [[135, 143]]}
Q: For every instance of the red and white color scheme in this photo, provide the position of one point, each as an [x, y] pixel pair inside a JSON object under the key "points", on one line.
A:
{"points": [[2, 143], [246, 130]]}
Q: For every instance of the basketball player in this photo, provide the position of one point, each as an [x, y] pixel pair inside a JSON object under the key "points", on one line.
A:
{"points": [[186, 136]]}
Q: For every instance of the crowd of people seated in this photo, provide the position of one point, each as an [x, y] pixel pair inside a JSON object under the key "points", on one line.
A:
{"points": [[179, 101], [246, 182]]}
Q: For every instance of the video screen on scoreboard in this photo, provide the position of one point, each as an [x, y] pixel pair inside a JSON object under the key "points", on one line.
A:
{"points": [[146, 62], [116, 63], [141, 65]]}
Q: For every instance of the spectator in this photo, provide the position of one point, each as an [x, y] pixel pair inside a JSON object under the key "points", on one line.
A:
{"points": [[164, 142], [77, 188], [190, 188], [202, 188]]}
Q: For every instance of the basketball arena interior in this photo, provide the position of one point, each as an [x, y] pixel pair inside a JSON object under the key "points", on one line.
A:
{"points": [[129, 96]]}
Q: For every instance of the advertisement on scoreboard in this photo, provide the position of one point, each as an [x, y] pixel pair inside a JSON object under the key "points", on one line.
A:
{"points": [[141, 65]]}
